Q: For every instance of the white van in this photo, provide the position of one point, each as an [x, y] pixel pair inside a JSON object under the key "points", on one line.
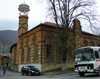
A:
{"points": [[87, 60]]}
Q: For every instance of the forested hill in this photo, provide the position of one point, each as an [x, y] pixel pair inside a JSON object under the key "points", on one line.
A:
{"points": [[7, 38]]}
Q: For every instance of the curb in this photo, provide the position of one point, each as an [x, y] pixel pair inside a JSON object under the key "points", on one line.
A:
{"points": [[59, 73]]}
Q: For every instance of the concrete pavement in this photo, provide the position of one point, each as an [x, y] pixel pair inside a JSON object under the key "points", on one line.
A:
{"points": [[15, 75]]}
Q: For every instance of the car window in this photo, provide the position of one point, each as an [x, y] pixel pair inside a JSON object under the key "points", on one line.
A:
{"points": [[25, 67], [28, 67], [32, 67]]}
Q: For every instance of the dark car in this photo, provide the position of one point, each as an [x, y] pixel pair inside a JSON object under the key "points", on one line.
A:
{"points": [[29, 70]]}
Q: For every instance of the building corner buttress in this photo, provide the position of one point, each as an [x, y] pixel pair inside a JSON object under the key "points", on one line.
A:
{"points": [[77, 33]]}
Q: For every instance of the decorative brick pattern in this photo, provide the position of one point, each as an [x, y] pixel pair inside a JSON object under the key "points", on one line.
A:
{"points": [[42, 45]]}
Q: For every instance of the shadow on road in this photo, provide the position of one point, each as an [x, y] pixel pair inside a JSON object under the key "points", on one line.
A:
{"points": [[90, 75]]}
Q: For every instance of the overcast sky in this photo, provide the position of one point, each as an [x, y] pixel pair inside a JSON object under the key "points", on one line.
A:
{"points": [[38, 14], [9, 13]]}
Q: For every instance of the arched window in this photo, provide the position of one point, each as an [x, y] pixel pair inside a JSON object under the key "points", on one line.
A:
{"points": [[28, 54], [36, 52], [85, 42], [27, 42], [21, 43], [98, 43], [48, 50], [49, 47], [59, 54], [34, 39], [92, 43], [22, 55]]}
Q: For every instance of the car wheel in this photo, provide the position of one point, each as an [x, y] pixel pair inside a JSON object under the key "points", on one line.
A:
{"points": [[29, 74], [22, 73], [39, 74]]}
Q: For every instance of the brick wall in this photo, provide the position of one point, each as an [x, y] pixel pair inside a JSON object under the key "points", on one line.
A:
{"points": [[42, 45]]}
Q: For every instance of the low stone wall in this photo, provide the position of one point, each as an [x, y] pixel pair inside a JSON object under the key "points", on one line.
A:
{"points": [[50, 66]]}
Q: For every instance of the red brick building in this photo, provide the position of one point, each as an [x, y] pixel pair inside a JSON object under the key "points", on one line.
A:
{"points": [[41, 45]]}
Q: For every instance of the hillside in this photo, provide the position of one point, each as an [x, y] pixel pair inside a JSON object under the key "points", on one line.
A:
{"points": [[7, 38]]}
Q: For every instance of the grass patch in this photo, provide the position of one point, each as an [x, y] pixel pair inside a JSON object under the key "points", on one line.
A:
{"points": [[59, 70]]}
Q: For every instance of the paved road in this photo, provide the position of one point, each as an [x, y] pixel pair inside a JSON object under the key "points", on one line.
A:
{"points": [[15, 75]]}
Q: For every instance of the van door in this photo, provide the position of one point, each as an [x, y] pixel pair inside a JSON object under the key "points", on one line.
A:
{"points": [[97, 59]]}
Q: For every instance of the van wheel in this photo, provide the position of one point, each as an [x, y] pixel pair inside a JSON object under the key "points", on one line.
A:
{"points": [[98, 73], [81, 74]]}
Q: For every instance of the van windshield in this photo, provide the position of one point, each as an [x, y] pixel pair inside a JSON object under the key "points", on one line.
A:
{"points": [[84, 54]]}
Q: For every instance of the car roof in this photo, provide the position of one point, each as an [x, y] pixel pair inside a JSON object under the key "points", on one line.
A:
{"points": [[28, 66]]}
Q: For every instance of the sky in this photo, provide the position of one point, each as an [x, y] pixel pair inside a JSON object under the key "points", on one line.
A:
{"points": [[9, 14], [38, 13]]}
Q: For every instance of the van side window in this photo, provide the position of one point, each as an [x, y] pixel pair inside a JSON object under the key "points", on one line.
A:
{"points": [[96, 54], [99, 53]]}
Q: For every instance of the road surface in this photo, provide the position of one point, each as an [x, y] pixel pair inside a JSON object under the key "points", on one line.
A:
{"points": [[15, 75]]}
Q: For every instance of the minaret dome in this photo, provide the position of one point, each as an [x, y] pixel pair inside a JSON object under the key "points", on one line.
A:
{"points": [[24, 9], [23, 18]]}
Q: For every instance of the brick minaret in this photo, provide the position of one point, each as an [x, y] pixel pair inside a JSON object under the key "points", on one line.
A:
{"points": [[23, 28], [23, 24]]}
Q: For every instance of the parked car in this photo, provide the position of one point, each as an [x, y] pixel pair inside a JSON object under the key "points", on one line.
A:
{"points": [[29, 70]]}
